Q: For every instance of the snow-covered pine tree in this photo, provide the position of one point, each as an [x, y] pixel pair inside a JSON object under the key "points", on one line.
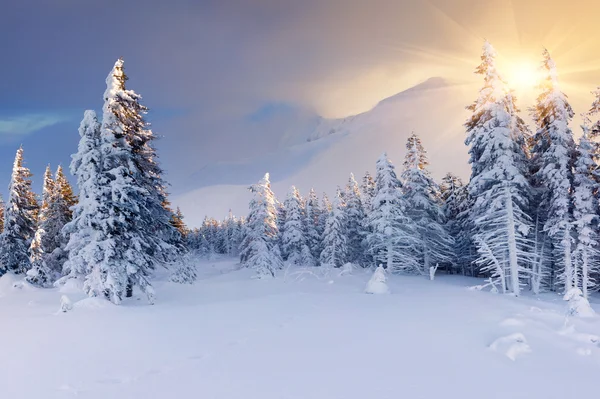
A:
{"points": [[233, 232], [114, 240], [592, 120], [164, 241], [393, 238], [293, 237], [423, 207], [65, 192], [335, 241], [86, 166], [281, 218], [554, 153], [455, 206], [585, 215], [496, 136], [355, 223], [178, 223], [40, 274], [312, 227], [20, 220], [59, 213], [326, 207], [2, 208], [260, 249], [47, 190], [367, 189]]}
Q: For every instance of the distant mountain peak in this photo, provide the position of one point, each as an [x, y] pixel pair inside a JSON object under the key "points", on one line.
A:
{"points": [[433, 83], [327, 127]]}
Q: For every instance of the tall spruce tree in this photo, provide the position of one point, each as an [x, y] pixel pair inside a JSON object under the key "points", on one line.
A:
{"points": [[392, 239], [127, 237], [554, 154], [260, 248], [127, 119], [496, 137], [335, 240], [20, 220], [423, 206]]}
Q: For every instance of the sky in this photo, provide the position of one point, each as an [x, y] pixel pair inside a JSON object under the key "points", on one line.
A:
{"points": [[223, 78]]}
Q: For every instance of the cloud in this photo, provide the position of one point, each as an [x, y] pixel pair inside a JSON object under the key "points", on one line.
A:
{"points": [[22, 125]]}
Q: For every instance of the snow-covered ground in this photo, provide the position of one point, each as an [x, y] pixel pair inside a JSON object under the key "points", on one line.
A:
{"points": [[298, 336]]}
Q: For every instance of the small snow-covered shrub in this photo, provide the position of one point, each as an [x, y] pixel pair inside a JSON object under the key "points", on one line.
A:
{"points": [[65, 304], [347, 269], [578, 305], [377, 284]]}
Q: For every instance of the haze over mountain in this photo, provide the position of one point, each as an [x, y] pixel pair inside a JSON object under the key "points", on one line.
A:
{"points": [[321, 153]]}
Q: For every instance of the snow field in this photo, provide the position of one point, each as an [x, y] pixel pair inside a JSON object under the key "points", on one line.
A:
{"points": [[300, 335]]}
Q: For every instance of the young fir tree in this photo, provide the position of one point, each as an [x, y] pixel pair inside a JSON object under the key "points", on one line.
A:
{"points": [[293, 237], [335, 241], [422, 198], [20, 220], [40, 274], [554, 153], [496, 136], [585, 215], [260, 248], [392, 239], [312, 227], [455, 207], [355, 223]]}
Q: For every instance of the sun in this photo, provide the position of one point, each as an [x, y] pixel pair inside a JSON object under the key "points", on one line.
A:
{"points": [[522, 76]]}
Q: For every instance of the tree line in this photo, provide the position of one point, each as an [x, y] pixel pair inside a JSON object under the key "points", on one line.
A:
{"points": [[118, 230], [526, 219]]}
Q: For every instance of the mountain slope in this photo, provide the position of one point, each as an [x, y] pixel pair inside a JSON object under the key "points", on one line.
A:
{"points": [[336, 147]]}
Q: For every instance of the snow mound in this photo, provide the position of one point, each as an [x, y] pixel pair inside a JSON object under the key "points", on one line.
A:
{"points": [[578, 305], [71, 286], [511, 322], [92, 303], [512, 345], [586, 338], [377, 283], [9, 282]]}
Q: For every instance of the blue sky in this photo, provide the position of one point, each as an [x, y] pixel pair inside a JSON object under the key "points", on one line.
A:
{"points": [[223, 77]]}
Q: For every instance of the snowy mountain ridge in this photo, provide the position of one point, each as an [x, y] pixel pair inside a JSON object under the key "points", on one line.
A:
{"points": [[324, 156], [328, 127]]}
